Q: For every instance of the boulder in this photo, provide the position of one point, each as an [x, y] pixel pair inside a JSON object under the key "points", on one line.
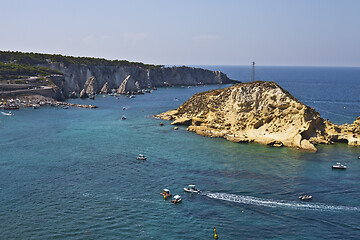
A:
{"points": [[73, 95]]}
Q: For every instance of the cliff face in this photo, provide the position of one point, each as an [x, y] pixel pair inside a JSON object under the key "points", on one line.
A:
{"points": [[260, 112], [76, 75]]}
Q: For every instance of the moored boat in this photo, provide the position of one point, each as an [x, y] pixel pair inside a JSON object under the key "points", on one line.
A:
{"points": [[176, 199], [141, 157], [166, 192], [339, 166]]}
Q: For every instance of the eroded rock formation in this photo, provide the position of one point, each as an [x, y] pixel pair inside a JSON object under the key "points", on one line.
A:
{"points": [[75, 76], [129, 85], [91, 86], [260, 112], [105, 89]]}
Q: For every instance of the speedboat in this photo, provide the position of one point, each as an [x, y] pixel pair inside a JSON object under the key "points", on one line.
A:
{"points": [[305, 197], [123, 117], [191, 189], [141, 157], [124, 108], [7, 113], [166, 193], [339, 166], [176, 199]]}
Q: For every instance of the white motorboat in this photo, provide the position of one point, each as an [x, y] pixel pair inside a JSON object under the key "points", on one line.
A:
{"points": [[305, 197], [339, 166], [123, 117], [176, 199], [191, 189], [141, 157], [7, 113]]}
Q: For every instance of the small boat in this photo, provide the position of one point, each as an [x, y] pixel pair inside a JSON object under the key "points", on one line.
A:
{"points": [[123, 117], [305, 197], [35, 106], [339, 166], [7, 113], [65, 107], [166, 192], [124, 108], [132, 96], [191, 189], [141, 157], [176, 199]]}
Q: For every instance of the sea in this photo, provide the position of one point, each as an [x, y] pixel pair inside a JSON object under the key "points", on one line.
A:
{"points": [[73, 173]]}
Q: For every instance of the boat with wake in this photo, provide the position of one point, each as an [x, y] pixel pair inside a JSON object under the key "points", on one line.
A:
{"points": [[305, 197], [192, 189], [7, 113]]}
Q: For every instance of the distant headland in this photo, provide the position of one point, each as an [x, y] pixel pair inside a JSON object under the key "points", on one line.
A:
{"points": [[260, 112], [60, 77]]}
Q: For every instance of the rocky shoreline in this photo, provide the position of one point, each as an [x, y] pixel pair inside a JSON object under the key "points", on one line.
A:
{"points": [[35, 101], [260, 112]]}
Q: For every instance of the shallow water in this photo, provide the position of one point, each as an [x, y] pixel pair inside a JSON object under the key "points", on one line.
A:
{"points": [[73, 174]]}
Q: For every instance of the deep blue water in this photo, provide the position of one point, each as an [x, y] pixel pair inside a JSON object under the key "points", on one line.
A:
{"points": [[73, 174]]}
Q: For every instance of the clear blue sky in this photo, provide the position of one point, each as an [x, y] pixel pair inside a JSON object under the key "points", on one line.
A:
{"points": [[189, 32]]}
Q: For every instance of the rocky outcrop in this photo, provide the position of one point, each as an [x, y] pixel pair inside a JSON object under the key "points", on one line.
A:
{"points": [[105, 89], [83, 94], [73, 95], [91, 86], [260, 112], [129, 85], [76, 75]]}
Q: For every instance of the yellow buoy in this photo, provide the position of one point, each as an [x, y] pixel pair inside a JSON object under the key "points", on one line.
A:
{"points": [[215, 236], [165, 197]]}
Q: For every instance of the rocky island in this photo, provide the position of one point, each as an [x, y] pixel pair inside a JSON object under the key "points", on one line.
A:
{"points": [[260, 112]]}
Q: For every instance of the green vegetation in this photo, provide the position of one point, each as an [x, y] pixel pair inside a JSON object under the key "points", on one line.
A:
{"points": [[17, 71], [38, 58]]}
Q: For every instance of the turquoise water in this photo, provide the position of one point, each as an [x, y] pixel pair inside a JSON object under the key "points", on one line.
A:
{"points": [[73, 174]]}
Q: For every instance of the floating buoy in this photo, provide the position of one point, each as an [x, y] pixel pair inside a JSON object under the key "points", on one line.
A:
{"points": [[215, 236], [165, 197]]}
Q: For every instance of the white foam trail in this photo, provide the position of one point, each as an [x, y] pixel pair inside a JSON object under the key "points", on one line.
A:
{"points": [[276, 203]]}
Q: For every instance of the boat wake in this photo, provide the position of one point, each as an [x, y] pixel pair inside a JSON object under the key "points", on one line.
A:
{"points": [[277, 203]]}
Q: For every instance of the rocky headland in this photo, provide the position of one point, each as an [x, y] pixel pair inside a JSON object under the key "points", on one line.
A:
{"points": [[61, 77], [87, 80], [260, 112]]}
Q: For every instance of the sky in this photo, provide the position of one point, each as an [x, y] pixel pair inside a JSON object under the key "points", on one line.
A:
{"points": [[188, 32]]}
